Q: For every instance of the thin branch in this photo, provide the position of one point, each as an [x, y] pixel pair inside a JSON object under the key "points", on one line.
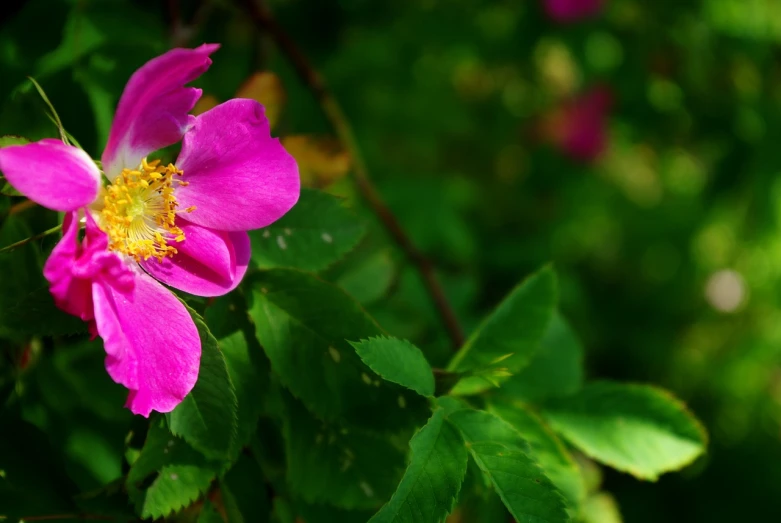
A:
{"points": [[265, 21], [9, 248], [21, 206]]}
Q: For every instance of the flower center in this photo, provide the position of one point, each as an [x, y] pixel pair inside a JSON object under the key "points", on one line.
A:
{"points": [[139, 211]]}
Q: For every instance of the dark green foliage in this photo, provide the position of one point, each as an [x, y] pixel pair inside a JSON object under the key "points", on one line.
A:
{"points": [[328, 390], [429, 489], [207, 417]]}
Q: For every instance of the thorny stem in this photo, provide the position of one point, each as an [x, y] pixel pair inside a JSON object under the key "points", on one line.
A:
{"points": [[13, 246], [265, 21]]}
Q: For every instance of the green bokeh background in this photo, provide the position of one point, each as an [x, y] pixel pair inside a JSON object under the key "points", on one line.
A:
{"points": [[445, 98]]}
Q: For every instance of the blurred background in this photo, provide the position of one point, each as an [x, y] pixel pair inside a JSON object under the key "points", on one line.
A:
{"points": [[635, 144]]}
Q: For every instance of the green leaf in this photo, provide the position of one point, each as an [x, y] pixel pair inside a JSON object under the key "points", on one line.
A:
{"points": [[548, 451], [634, 428], [10, 139], [397, 361], [482, 426], [509, 337], [501, 454], [176, 474], [247, 365], [330, 463], [556, 370], [207, 417], [316, 232], [601, 508], [431, 483], [248, 383], [244, 492], [302, 323]]}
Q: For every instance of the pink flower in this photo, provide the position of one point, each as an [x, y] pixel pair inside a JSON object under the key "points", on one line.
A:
{"points": [[182, 224], [572, 10], [579, 128]]}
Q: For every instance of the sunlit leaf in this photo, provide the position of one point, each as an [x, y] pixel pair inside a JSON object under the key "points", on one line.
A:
{"points": [[634, 428]]}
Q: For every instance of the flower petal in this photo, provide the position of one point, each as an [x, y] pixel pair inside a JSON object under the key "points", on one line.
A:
{"points": [[586, 128], [209, 262], [73, 267], [152, 344], [571, 10], [239, 177], [73, 295], [56, 175], [153, 110]]}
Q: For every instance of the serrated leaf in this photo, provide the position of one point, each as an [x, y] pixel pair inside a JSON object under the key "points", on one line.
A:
{"points": [[502, 455], [302, 323], [516, 327], [176, 474], [556, 369], [549, 452], [207, 417], [397, 361], [430, 486], [248, 385], [634, 428], [330, 463], [316, 232]]}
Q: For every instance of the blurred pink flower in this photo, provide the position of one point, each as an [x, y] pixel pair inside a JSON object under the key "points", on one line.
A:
{"points": [[181, 224], [572, 10], [579, 127]]}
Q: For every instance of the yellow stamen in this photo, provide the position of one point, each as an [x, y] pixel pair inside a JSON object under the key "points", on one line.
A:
{"points": [[139, 211]]}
